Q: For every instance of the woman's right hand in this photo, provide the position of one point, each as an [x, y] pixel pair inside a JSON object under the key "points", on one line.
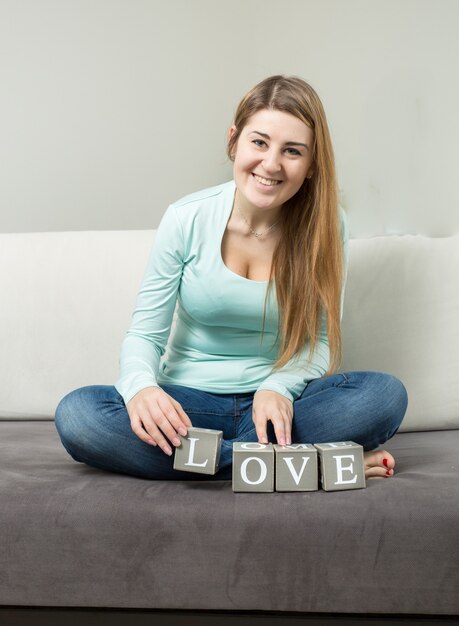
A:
{"points": [[154, 415]]}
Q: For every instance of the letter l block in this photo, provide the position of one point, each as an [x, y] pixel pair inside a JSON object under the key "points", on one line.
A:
{"points": [[253, 466], [342, 465], [199, 451]]}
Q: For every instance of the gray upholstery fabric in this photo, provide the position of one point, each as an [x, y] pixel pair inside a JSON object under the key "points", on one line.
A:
{"points": [[71, 535]]}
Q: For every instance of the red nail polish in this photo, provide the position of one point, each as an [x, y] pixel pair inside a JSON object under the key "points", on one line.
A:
{"points": [[388, 472], [385, 462]]}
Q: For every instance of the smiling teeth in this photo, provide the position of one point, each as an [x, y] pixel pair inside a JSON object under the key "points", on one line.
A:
{"points": [[267, 181]]}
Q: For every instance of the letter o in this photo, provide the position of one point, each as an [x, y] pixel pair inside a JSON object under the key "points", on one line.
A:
{"points": [[263, 470]]}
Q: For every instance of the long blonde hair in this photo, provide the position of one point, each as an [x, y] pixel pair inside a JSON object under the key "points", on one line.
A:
{"points": [[307, 264]]}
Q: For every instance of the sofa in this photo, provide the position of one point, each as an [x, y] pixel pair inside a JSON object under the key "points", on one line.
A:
{"points": [[75, 538]]}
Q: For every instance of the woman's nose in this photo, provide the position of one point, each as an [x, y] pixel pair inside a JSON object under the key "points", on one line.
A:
{"points": [[271, 162]]}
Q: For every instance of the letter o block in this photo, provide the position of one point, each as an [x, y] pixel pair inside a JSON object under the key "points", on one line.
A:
{"points": [[342, 465], [296, 467], [253, 466], [199, 451]]}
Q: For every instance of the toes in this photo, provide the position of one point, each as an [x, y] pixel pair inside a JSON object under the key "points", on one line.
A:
{"points": [[378, 472], [387, 460], [379, 458], [379, 464]]}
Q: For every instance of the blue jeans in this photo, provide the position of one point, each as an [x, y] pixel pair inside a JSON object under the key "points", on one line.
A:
{"points": [[94, 426]]}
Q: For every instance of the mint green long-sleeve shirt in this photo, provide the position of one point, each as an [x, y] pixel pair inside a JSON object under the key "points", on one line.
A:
{"points": [[217, 344]]}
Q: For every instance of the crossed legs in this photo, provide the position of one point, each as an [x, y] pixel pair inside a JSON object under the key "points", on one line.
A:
{"points": [[365, 407]]}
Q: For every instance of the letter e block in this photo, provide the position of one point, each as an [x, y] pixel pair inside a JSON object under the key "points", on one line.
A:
{"points": [[253, 466], [296, 467], [341, 465], [199, 451]]}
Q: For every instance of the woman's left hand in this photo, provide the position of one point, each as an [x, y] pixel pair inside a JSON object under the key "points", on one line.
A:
{"points": [[273, 406]]}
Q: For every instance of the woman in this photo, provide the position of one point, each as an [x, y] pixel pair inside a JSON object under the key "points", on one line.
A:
{"points": [[258, 268]]}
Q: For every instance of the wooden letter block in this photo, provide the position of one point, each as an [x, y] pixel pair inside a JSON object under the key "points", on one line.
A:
{"points": [[296, 467], [253, 466], [341, 465], [199, 451]]}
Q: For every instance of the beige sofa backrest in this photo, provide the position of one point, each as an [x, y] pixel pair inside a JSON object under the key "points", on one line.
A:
{"points": [[67, 300]]}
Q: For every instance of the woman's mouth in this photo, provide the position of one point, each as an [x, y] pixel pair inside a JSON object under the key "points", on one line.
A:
{"points": [[268, 182]]}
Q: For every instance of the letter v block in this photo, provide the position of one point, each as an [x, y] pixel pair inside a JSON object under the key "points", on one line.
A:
{"points": [[296, 467], [253, 466], [342, 466], [199, 451]]}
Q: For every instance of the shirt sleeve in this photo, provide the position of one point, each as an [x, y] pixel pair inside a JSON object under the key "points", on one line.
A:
{"points": [[291, 380], [146, 339]]}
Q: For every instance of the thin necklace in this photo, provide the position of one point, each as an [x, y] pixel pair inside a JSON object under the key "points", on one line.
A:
{"points": [[254, 232]]}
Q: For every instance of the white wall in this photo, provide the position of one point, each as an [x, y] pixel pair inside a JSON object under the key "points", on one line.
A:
{"points": [[111, 109]]}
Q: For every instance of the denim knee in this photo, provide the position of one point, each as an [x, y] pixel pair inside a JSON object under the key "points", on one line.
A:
{"points": [[391, 411], [66, 420], [398, 403], [63, 411]]}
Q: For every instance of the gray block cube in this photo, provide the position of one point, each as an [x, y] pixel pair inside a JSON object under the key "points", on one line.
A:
{"points": [[296, 467], [253, 466], [341, 465], [199, 451]]}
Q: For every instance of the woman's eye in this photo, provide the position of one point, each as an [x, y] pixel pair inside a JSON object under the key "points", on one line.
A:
{"points": [[293, 151], [259, 142]]}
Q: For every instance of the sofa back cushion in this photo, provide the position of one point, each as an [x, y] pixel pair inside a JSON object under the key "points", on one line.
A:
{"points": [[401, 316], [67, 301]]}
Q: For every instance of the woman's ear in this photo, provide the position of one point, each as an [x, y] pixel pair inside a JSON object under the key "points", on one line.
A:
{"points": [[311, 171], [231, 132]]}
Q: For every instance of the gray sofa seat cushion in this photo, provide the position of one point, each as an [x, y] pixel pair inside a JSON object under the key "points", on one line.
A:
{"points": [[71, 535]]}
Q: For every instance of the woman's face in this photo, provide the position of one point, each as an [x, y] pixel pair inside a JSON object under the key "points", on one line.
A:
{"points": [[272, 158]]}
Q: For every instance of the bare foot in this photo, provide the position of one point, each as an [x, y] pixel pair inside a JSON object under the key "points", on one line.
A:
{"points": [[378, 464]]}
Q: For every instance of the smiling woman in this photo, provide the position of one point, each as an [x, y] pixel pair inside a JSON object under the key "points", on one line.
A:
{"points": [[257, 266], [283, 119], [269, 167]]}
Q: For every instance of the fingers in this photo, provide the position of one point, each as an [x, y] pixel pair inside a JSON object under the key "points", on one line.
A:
{"points": [[282, 429], [155, 415], [169, 419], [282, 424], [274, 407], [260, 427], [282, 432], [148, 432], [184, 417]]}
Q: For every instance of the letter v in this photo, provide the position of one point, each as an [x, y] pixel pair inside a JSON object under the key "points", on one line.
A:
{"points": [[296, 477]]}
